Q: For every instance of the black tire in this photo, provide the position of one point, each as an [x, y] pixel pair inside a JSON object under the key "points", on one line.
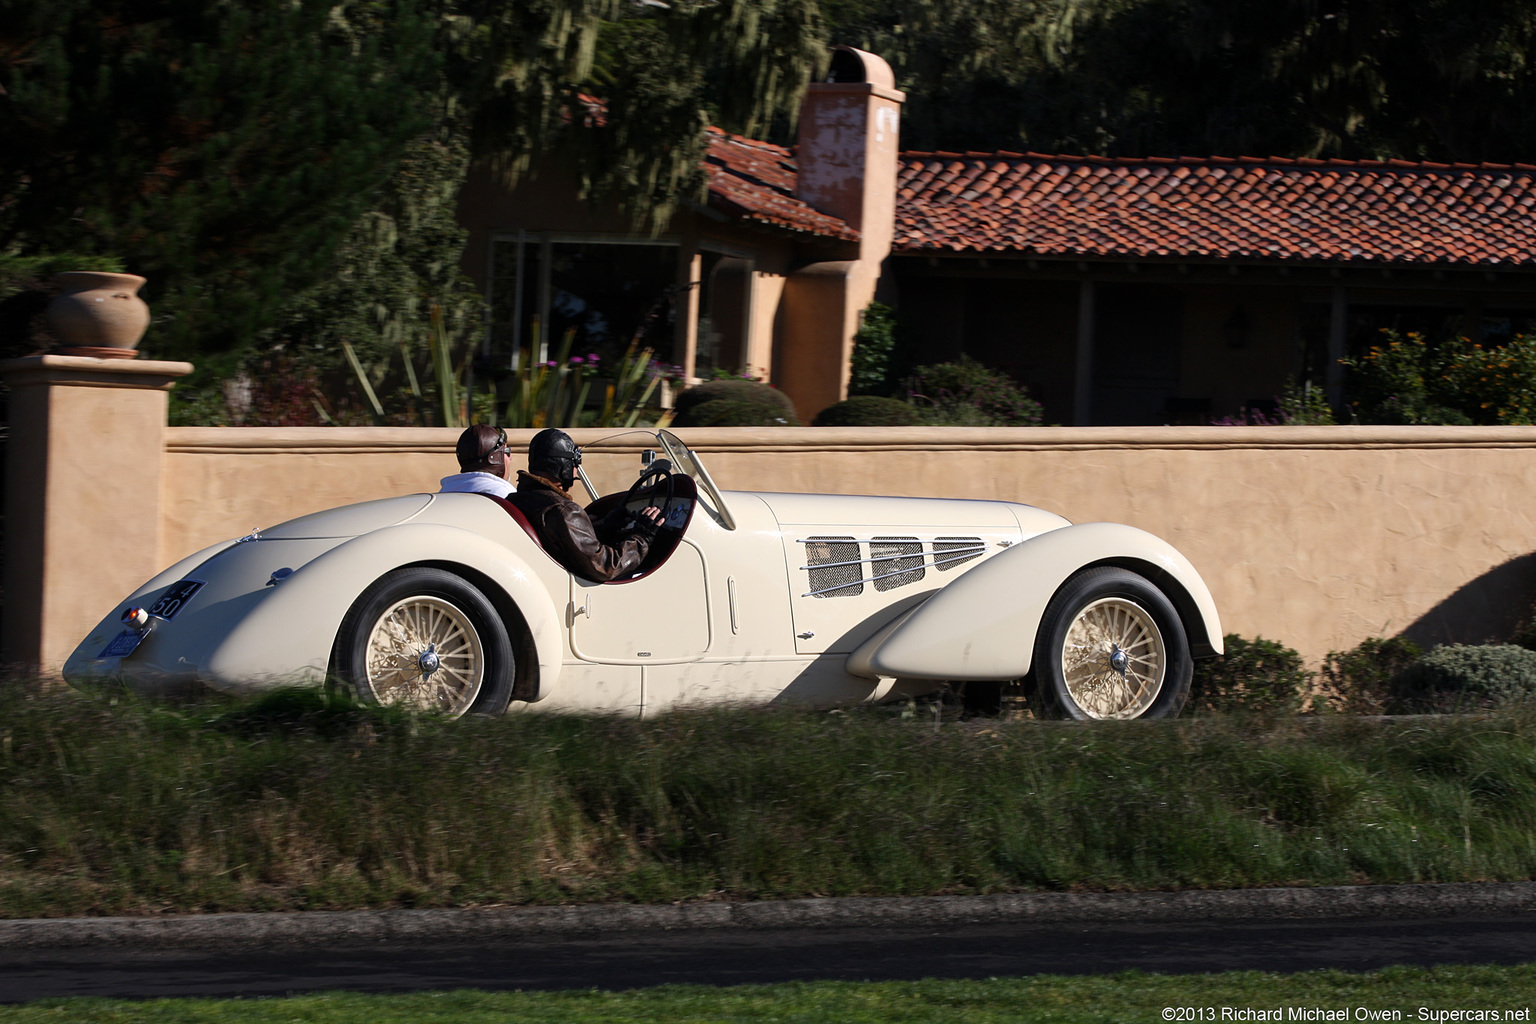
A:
{"points": [[1113, 610], [396, 619]]}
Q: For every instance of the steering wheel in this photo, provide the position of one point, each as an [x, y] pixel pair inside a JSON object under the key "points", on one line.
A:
{"points": [[655, 481]]}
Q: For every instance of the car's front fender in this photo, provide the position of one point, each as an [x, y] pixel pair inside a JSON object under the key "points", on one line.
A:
{"points": [[983, 625], [290, 634]]}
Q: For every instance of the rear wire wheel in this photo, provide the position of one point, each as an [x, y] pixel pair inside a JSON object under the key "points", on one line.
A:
{"points": [[1111, 646], [426, 640]]}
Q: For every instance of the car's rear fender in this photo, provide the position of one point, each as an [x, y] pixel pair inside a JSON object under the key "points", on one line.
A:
{"points": [[85, 666], [983, 625], [290, 634]]}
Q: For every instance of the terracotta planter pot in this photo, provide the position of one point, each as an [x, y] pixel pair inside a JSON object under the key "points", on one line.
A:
{"points": [[98, 314]]}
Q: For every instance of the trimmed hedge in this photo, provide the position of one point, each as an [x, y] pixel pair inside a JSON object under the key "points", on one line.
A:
{"points": [[1367, 679], [967, 394], [734, 403], [869, 411], [1253, 675]]}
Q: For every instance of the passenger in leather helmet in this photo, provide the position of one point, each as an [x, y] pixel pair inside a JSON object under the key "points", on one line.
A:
{"points": [[483, 465], [563, 526]]}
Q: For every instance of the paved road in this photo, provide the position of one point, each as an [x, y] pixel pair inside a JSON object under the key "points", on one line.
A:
{"points": [[726, 957]]}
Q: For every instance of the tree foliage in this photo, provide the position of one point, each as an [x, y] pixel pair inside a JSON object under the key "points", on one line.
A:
{"points": [[662, 77], [283, 170], [222, 150], [399, 259], [1434, 80]]}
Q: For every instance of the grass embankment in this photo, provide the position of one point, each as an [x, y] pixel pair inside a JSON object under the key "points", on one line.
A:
{"points": [[134, 808], [1128, 998]]}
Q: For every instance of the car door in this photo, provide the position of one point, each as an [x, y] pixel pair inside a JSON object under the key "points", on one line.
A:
{"points": [[660, 618]]}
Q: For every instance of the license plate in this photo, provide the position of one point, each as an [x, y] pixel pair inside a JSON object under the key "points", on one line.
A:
{"points": [[124, 644], [175, 599]]}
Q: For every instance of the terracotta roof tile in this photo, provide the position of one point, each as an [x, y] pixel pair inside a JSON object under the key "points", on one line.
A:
{"points": [[755, 181], [1272, 208]]}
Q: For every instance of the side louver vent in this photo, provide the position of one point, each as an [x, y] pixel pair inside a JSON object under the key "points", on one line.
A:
{"points": [[895, 561], [949, 552], [835, 567]]}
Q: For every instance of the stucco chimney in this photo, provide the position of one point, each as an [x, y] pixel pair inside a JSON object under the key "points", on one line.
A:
{"points": [[848, 146], [847, 161]]}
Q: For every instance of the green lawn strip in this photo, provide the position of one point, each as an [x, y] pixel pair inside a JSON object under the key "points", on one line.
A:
{"points": [[1123, 998], [294, 803]]}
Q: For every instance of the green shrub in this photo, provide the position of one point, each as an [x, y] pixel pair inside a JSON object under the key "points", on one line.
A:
{"points": [[727, 413], [1365, 679], [1408, 380], [869, 411], [1494, 384], [1395, 383], [966, 393], [1303, 404], [1253, 675], [1460, 677], [734, 403], [870, 364]]}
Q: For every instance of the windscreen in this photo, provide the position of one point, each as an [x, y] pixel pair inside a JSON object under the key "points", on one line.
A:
{"points": [[684, 461]]}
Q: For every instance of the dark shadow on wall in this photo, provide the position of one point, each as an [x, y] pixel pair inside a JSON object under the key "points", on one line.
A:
{"points": [[1487, 608]]}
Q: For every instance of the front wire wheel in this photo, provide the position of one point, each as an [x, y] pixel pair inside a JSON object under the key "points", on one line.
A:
{"points": [[426, 640], [1113, 659], [1111, 646]]}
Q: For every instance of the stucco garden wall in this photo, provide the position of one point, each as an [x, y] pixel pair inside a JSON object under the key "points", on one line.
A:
{"points": [[1314, 536]]}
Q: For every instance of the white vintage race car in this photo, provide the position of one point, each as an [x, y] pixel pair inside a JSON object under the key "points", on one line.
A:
{"points": [[447, 603]]}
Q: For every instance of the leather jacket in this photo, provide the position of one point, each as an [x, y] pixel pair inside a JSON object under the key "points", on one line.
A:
{"points": [[572, 539]]}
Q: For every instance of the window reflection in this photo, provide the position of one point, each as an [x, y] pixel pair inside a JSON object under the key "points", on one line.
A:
{"points": [[608, 293], [725, 284]]}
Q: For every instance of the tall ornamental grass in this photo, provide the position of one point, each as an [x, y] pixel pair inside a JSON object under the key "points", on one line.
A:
{"points": [[301, 801]]}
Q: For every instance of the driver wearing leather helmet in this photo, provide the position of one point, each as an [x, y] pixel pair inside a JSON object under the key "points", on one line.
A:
{"points": [[564, 528]]}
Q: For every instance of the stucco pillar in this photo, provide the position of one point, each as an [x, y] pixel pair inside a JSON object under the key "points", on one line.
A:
{"points": [[82, 496], [820, 317]]}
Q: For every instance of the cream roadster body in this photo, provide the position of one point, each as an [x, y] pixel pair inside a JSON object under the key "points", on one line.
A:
{"points": [[447, 602]]}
